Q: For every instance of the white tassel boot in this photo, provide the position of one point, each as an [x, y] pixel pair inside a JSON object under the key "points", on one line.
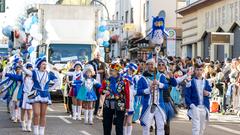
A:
{"points": [[129, 130], [23, 126], [74, 109], [91, 117], [124, 130], [35, 130], [79, 109], [29, 124], [41, 130], [86, 116]]}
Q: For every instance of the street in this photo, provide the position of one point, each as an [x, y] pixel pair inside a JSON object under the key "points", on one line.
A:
{"points": [[59, 123]]}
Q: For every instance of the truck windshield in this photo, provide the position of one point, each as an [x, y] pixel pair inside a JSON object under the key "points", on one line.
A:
{"points": [[62, 53]]}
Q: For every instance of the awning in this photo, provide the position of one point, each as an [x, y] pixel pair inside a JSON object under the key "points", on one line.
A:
{"points": [[134, 49], [142, 40]]}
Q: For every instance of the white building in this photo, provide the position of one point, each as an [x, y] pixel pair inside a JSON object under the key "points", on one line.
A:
{"points": [[139, 15]]}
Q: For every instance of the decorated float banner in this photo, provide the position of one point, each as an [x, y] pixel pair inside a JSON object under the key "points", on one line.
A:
{"points": [[171, 42]]}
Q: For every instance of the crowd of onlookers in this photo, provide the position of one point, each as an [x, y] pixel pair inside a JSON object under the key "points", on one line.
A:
{"points": [[223, 75]]}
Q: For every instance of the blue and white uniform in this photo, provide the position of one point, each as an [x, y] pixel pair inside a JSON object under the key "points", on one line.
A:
{"points": [[132, 93], [27, 87], [198, 104], [87, 92], [76, 82], [147, 117], [41, 80], [137, 100]]}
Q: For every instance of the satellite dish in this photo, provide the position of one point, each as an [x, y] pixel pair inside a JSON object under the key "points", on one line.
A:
{"points": [[162, 14]]}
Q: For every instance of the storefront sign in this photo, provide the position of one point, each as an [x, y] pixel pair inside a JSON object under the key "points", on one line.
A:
{"points": [[221, 38]]}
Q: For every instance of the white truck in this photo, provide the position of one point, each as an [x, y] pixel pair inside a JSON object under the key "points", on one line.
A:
{"points": [[68, 33]]}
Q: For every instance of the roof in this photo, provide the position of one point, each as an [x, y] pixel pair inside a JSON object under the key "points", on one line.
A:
{"points": [[195, 6]]}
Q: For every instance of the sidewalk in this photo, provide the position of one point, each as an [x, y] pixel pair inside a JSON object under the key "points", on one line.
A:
{"points": [[214, 117]]}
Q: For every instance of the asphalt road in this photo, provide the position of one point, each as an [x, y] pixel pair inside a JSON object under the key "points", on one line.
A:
{"points": [[60, 123]]}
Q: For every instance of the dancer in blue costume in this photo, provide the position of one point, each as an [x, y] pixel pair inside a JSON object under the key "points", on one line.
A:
{"points": [[25, 106], [197, 95], [168, 103], [13, 88], [137, 100], [132, 69], [10, 86], [76, 84], [87, 93], [40, 96], [152, 99]]}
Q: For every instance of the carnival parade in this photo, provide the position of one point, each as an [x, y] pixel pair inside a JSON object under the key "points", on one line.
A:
{"points": [[67, 68]]}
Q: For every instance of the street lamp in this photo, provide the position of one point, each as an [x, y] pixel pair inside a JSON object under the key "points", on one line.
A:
{"points": [[92, 2]]}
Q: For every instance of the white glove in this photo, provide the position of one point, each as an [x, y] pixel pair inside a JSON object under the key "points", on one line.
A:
{"points": [[192, 106], [161, 85]]}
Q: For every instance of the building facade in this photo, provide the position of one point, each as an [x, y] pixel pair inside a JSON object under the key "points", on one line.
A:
{"points": [[204, 17], [132, 43]]}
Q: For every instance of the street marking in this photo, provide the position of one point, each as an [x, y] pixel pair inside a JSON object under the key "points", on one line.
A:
{"points": [[64, 119], [85, 132], [50, 109], [226, 129]]}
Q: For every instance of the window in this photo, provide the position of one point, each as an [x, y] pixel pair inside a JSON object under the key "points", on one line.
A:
{"points": [[2, 5], [131, 19], [146, 11], [117, 16], [126, 17], [60, 53]]}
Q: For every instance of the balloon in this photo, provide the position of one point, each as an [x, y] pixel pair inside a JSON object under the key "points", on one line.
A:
{"points": [[38, 37], [105, 44], [17, 34], [100, 41], [34, 30], [35, 43], [100, 35], [107, 33], [30, 49], [10, 44], [7, 31], [27, 25], [106, 38], [34, 20], [102, 28]]}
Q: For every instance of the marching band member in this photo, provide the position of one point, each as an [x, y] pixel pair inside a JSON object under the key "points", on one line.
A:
{"points": [[151, 90], [87, 93], [76, 85], [116, 103], [197, 94], [131, 72], [40, 96]]}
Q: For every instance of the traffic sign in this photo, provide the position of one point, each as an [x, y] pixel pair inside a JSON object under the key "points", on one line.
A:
{"points": [[115, 23]]}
